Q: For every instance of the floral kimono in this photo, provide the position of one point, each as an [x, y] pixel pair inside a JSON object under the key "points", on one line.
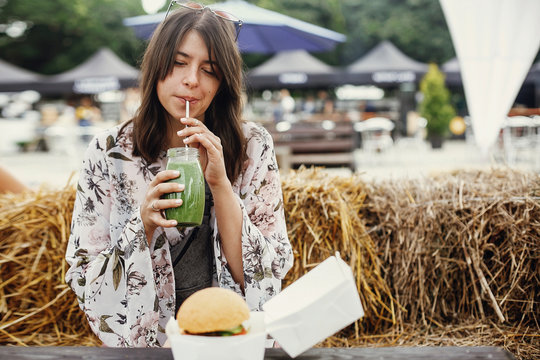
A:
{"points": [[126, 287]]}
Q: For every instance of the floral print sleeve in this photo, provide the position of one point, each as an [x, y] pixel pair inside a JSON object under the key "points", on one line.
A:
{"points": [[266, 250], [112, 268]]}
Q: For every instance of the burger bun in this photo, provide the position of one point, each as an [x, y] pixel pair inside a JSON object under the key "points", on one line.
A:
{"points": [[212, 309]]}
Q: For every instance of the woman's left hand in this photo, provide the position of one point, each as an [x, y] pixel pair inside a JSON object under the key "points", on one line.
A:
{"points": [[197, 135]]}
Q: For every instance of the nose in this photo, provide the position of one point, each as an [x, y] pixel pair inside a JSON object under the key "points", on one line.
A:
{"points": [[191, 77]]}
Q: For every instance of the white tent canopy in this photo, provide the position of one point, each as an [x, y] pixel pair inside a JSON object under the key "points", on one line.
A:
{"points": [[495, 42]]}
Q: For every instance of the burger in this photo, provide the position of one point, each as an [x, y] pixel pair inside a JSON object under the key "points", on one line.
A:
{"points": [[213, 312]]}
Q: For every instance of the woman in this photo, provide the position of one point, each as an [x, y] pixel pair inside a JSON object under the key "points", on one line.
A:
{"points": [[122, 251]]}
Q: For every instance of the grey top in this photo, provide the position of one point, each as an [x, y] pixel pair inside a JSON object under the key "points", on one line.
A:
{"points": [[193, 259]]}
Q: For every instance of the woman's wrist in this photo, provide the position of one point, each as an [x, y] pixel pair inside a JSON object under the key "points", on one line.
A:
{"points": [[148, 229], [221, 188], [149, 235]]}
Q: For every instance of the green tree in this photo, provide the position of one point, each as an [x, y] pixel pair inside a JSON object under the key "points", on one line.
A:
{"points": [[416, 27], [435, 106], [63, 33]]}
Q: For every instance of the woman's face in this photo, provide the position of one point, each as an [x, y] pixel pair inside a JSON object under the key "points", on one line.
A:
{"points": [[191, 79]]}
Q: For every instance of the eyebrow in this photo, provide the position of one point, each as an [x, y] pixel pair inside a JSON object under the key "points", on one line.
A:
{"points": [[213, 63]]}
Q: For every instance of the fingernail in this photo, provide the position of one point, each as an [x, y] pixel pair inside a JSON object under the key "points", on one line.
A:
{"points": [[178, 202], [181, 132], [180, 187], [176, 172], [174, 222], [186, 140], [183, 119]]}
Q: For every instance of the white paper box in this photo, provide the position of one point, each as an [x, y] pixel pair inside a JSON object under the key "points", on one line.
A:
{"points": [[241, 347], [320, 303]]}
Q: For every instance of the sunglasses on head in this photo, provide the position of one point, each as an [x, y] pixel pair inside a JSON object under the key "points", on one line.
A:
{"points": [[199, 7]]}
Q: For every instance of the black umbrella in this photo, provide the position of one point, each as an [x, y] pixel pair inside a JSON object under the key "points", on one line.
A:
{"points": [[452, 71], [384, 65], [293, 69], [14, 78], [101, 72]]}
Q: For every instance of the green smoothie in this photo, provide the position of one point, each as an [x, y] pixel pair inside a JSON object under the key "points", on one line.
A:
{"points": [[190, 213]]}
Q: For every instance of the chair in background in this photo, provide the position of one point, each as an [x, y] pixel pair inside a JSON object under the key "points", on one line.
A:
{"points": [[375, 135], [519, 139]]}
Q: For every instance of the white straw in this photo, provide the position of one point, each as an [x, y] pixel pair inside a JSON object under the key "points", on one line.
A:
{"points": [[187, 114]]}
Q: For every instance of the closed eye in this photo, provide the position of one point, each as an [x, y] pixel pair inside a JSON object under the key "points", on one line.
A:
{"points": [[209, 72]]}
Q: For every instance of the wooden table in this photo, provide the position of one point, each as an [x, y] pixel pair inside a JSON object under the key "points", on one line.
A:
{"points": [[384, 353]]}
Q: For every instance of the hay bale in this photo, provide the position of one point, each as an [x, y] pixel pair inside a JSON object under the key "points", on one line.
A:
{"points": [[36, 305], [459, 252], [446, 260], [323, 216], [460, 246]]}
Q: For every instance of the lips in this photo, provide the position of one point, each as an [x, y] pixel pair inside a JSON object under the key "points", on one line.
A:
{"points": [[191, 100]]}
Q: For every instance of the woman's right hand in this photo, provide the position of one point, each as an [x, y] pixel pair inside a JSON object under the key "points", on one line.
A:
{"points": [[153, 205]]}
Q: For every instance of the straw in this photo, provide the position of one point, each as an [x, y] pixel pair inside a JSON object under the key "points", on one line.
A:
{"points": [[450, 259], [187, 116], [37, 307]]}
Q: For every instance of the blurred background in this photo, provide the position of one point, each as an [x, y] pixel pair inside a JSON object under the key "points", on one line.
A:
{"points": [[369, 86]]}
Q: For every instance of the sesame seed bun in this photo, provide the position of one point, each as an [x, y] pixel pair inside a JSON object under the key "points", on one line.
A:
{"points": [[212, 309]]}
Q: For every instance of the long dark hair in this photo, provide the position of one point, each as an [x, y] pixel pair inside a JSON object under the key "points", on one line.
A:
{"points": [[223, 116]]}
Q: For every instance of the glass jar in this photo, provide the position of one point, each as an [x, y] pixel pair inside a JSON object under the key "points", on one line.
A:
{"points": [[186, 161]]}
